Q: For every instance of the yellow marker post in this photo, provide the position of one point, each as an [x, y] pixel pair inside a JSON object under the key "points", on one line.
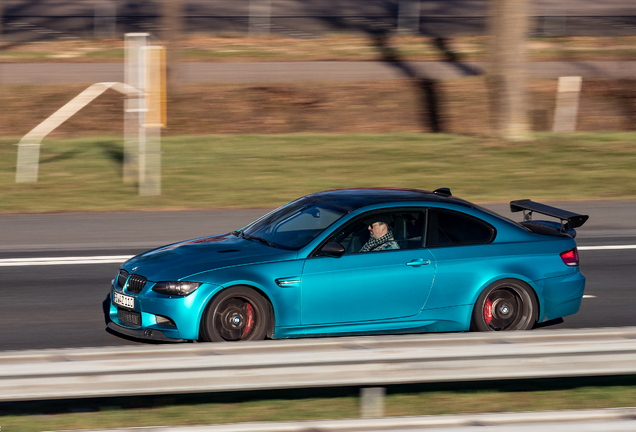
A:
{"points": [[155, 87]]}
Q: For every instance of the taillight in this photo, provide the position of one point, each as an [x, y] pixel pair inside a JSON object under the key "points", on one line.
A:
{"points": [[571, 257]]}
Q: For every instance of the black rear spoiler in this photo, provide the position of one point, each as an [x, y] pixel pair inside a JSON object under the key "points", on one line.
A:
{"points": [[568, 219]]}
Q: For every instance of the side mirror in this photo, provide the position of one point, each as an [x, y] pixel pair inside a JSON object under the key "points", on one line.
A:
{"points": [[333, 249]]}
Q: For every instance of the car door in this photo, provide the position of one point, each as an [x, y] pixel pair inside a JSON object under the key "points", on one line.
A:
{"points": [[463, 254], [369, 286]]}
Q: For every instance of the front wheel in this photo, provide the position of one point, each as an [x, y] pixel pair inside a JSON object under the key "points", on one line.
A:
{"points": [[505, 305], [236, 314]]}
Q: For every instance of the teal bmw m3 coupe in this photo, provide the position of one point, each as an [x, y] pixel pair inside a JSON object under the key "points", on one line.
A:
{"points": [[357, 262]]}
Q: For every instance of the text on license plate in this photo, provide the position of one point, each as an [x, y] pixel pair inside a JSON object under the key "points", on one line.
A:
{"points": [[123, 300]]}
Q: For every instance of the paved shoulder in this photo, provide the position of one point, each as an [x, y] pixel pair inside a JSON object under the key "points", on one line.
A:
{"points": [[338, 71]]}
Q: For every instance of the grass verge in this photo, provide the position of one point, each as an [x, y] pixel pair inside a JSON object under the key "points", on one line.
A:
{"points": [[435, 399], [225, 171]]}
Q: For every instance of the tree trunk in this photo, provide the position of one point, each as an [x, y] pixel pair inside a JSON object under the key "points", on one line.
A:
{"points": [[172, 18], [507, 76]]}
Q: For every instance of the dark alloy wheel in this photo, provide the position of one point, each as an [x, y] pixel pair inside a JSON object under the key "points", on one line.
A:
{"points": [[236, 314], [505, 305]]}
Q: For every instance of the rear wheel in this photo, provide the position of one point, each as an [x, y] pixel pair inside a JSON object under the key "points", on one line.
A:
{"points": [[505, 305], [236, 314]]}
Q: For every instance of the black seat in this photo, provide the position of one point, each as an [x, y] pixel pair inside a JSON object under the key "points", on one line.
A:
{"points": [[407, 231]]}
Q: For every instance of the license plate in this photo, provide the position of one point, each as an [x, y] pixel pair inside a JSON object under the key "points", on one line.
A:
{"points": [[123, 300]]}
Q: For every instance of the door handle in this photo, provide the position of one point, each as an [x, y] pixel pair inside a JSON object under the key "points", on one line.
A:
{"points": [[418, 262]]}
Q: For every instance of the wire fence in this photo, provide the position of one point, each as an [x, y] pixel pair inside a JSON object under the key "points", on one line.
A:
{"points": [[20, 26]]}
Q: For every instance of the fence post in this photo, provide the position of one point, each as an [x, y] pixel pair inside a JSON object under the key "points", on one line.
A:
{"points": [[409, 16], [555, 24], [567, 104], [259, 19], [105, 21]]}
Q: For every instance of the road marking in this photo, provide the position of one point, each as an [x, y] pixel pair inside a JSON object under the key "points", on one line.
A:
{"points": [[616, 247], [589, 296], [110, 259], [118, 259]]}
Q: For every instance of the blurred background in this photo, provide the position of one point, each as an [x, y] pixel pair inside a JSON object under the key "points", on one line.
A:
{"points": [[45, 19], [484, 71], [269, 100], [464, 35]]}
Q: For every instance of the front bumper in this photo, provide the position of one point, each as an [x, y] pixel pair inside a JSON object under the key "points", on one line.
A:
{"points": [[148, 334], [141, 321]]}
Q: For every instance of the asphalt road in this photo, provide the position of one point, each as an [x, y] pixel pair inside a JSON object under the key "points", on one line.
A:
{"points": [[316, 71], [59, 306]]}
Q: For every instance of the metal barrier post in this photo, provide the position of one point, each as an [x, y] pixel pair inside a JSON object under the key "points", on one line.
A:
{"points": [[372, 402]]}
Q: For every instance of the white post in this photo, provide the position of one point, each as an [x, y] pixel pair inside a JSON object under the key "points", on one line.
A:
{"points": [[28, 162], [409, 16], [150, 164], [567, 104], [154, 120], [259, 20], [134, 133]]}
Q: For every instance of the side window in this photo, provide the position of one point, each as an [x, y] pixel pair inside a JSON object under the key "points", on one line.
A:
{"points": [[405, 230], [449, 228]]}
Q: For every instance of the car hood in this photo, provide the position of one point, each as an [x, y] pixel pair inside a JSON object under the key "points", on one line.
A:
{"points": [[180, 260]]}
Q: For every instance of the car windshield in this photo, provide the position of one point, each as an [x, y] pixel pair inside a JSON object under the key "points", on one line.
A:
{"points": [[294, 225]]}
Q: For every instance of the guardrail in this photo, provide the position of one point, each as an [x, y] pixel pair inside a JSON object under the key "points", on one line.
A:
{"points": [[346, 361]]}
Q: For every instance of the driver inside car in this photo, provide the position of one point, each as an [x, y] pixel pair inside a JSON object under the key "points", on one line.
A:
{"points": [[381, 234]]}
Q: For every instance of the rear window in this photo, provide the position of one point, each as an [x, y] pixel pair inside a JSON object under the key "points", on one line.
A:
{"points": [[450, 228]]}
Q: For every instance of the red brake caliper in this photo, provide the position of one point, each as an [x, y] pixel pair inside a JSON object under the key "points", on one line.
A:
{"points": [[488, 311], [249, 321]]}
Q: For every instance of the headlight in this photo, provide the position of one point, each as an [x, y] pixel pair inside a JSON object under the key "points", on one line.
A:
{"points": [[176, 288]]}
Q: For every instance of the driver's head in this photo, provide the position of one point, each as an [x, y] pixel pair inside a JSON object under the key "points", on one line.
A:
{"points": [[378, 225]]}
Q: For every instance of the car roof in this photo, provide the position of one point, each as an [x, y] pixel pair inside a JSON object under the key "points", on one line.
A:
{"points": [[353, 199]]}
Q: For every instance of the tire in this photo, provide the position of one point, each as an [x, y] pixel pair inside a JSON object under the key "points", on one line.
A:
{"points": [[506, 305], [236, 314]]}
